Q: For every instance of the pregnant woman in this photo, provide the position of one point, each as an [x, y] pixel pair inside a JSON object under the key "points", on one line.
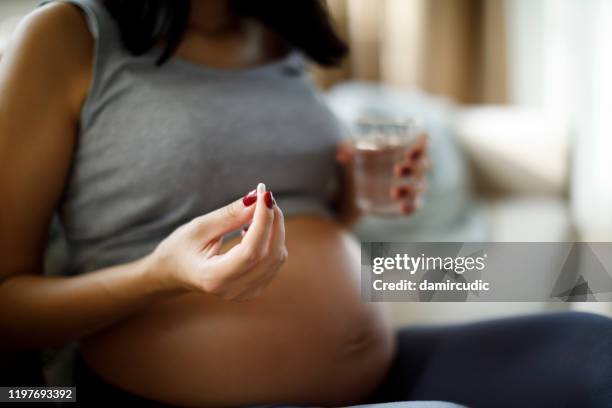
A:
{"points": [[147, 126]]}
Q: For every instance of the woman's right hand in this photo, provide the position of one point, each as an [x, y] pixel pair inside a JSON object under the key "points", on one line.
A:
{"points": [[189, 258]]}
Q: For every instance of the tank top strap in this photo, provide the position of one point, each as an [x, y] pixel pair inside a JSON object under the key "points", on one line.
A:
{"points": [[107, 38]]}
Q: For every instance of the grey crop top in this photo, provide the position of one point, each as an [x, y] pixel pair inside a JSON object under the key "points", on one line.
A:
{"points": [[158, 146]]}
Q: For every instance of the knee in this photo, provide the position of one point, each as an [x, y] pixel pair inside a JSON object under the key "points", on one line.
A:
{"points": [[593, 323], [591, 332], [579, 337], [592, 350]]}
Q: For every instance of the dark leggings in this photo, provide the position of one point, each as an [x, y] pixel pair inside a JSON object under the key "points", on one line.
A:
{"points": [[553, 360]]}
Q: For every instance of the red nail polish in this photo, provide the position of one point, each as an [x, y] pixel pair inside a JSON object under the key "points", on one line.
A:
{"points": [[401, 192], [416, 155], [406, 171], [269, 199], [250, 198]]}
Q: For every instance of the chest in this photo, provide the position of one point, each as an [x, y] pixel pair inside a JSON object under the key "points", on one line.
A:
{"points": [[227, 133]]}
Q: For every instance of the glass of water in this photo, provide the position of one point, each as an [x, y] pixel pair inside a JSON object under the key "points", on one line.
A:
{"points": [[379, 144]]}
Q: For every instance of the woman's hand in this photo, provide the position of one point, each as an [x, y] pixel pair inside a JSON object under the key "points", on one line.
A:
{"points": [[411, 172], [189, 258]]}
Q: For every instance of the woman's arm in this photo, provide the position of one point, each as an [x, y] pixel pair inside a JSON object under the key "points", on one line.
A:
{"points": [[44, 78], [38, 311]]}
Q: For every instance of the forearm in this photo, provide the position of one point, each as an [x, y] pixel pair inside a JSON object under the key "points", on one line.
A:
{"points": [[38, 311]]}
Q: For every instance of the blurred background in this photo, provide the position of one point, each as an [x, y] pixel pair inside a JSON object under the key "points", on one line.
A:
{"points": [[515, 96]]}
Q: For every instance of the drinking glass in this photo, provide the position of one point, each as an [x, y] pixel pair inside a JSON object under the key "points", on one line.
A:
{"points": [[379, 144]]}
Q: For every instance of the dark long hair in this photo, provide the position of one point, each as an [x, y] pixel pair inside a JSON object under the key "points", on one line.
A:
{"points": [[303, 24]]}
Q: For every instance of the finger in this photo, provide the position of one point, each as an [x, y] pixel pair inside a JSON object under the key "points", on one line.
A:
{"points": [[277, 252], [418, 148], [415, 169], [257, 238], [277, 240], [239, 260], [412, 206], [344, 154], [403, 170], [229, 266], [407, 207], [409, 191], [420, 142], [404, 192], [213, 247], [222, 220], [245, 283], [256, 288]]}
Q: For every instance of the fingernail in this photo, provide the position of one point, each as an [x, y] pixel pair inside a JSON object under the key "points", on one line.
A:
{"points": [[407, 171], [261, 188], [250, 198], [269, 199], [400, 192]]}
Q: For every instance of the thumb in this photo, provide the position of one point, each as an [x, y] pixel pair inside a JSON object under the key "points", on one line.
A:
{"points": [[223, 220], [344, 154]]}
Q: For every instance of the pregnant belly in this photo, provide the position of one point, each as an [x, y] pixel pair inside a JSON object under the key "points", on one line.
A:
{"points": [[309, 339]]}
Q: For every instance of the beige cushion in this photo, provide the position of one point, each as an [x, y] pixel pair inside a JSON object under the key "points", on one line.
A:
{"points": [[515, 150]]}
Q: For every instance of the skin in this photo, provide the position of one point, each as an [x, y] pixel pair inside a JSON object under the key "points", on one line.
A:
{"points": [[43, 85]]}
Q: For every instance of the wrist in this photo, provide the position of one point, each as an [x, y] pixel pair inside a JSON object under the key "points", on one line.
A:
{"points": [[156, 282]]}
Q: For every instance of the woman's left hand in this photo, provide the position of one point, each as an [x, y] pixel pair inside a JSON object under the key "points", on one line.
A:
{"points": [[412, 171]]}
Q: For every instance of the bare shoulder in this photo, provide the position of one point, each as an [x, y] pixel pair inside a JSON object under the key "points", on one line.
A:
{"points": [[57, 24], [53, 41]]}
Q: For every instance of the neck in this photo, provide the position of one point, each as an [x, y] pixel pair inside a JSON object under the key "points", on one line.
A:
{"points": [[213, 16]]}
